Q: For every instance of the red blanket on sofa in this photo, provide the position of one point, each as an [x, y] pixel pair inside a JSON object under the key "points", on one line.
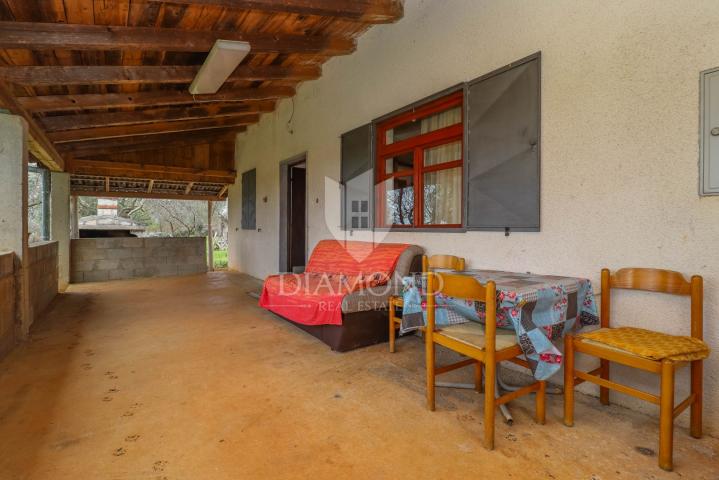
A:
{"points": [[334, 270]]}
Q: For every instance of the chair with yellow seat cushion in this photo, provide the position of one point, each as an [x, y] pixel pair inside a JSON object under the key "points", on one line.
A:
{"points": [[443, 262], [648, 350], [484, 345]]}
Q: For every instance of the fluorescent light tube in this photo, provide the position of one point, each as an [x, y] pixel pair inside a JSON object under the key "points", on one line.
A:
{"points": [[222, 60]]}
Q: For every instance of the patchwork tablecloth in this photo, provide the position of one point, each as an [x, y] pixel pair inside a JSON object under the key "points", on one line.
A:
{"points": [[539, 308]]}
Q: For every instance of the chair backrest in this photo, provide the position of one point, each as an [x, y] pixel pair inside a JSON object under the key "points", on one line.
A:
{"points": [[448, 262], [464, 287], [655, 280]]}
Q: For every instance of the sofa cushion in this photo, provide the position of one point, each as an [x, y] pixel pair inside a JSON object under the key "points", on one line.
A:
{"points": [[354, 258], [377, 298]]}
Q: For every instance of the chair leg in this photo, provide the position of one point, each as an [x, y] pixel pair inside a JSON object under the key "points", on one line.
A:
{"points": [[540, 403], [604, 373], [695, 413], [666, 416], [391, 327], [478, 377], [569, 381], [490, 377], [429, 357]]}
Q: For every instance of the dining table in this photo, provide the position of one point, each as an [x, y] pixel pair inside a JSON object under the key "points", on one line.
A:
{"points": [[541, 309]]}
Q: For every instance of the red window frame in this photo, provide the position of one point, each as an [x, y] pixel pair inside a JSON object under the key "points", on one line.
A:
{"points": [[417, 145]]}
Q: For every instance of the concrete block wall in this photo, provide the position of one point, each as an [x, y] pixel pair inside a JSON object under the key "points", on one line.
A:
{"points": [[103, 259], [42, 264], [7, 302]]}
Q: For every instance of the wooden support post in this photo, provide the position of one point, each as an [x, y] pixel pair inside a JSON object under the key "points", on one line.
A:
{"points": [[210, 253], [75, 214]]}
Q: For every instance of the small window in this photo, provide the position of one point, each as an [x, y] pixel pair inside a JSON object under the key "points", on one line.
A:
{"points": [[420, 175], [38, 203], [249, 187]]}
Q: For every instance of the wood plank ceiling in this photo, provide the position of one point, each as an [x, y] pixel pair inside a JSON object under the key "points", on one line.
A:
{"points": [[104, 83]]}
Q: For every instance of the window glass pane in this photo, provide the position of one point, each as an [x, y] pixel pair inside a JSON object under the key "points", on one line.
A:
{"points": [[443, 197], [434, 122], [403, 132], [399, 201], [448, 152], [404, 161]]}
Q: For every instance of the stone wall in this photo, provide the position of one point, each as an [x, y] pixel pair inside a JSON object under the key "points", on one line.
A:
{"points": [[42, 264], [7, 302], [102, 259]]}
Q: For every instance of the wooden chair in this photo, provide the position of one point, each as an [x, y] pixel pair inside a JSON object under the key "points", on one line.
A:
{"points": [[449, 262], [442, 262], [482, 344], [662, 281]]}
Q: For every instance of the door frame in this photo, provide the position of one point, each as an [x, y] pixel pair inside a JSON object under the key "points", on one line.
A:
{"points": [[285, 166]]}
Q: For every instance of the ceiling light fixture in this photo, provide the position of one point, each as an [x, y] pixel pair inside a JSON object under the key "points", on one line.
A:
{"points": [[222, 60]]}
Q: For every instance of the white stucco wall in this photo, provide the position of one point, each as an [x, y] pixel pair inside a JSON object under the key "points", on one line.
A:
{"points": [[620, 97]]}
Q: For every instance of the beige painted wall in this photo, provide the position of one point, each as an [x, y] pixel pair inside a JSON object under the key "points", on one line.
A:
{"points": [[619, 141]]}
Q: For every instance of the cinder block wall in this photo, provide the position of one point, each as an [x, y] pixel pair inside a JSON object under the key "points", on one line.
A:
{"points": [[7, 302], [42, 265], [102, 259]]}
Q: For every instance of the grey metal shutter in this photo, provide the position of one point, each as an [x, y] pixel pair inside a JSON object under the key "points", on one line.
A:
{"points": [[709, 172], [356, 177], [502, 176], [249, 188]]}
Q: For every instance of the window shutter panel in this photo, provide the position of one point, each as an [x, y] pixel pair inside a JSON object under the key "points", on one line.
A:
{"points": [[249, 188], [356, 176], [502, 177]]}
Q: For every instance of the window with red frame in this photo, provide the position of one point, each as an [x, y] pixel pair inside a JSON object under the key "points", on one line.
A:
{"points": [[419, 166]]}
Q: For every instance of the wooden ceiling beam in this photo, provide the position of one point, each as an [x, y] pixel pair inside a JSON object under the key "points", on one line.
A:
{"points": [[94, 120], [50, 103], [148, 143], [43, 76], [188, 126], [79, 192], [366, 11], [51, 36], [101, 168], [40, 145]]}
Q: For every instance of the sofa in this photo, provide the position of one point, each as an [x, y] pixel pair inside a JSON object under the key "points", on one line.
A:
{"points": [[342, 297]]}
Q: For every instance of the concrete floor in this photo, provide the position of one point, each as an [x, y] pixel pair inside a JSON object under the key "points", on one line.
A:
{"points": [[185, 378]]}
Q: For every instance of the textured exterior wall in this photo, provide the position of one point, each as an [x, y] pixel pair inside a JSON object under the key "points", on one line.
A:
{"points": [[102, 259], [7, 302], [42, 268], [620, 122]]}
